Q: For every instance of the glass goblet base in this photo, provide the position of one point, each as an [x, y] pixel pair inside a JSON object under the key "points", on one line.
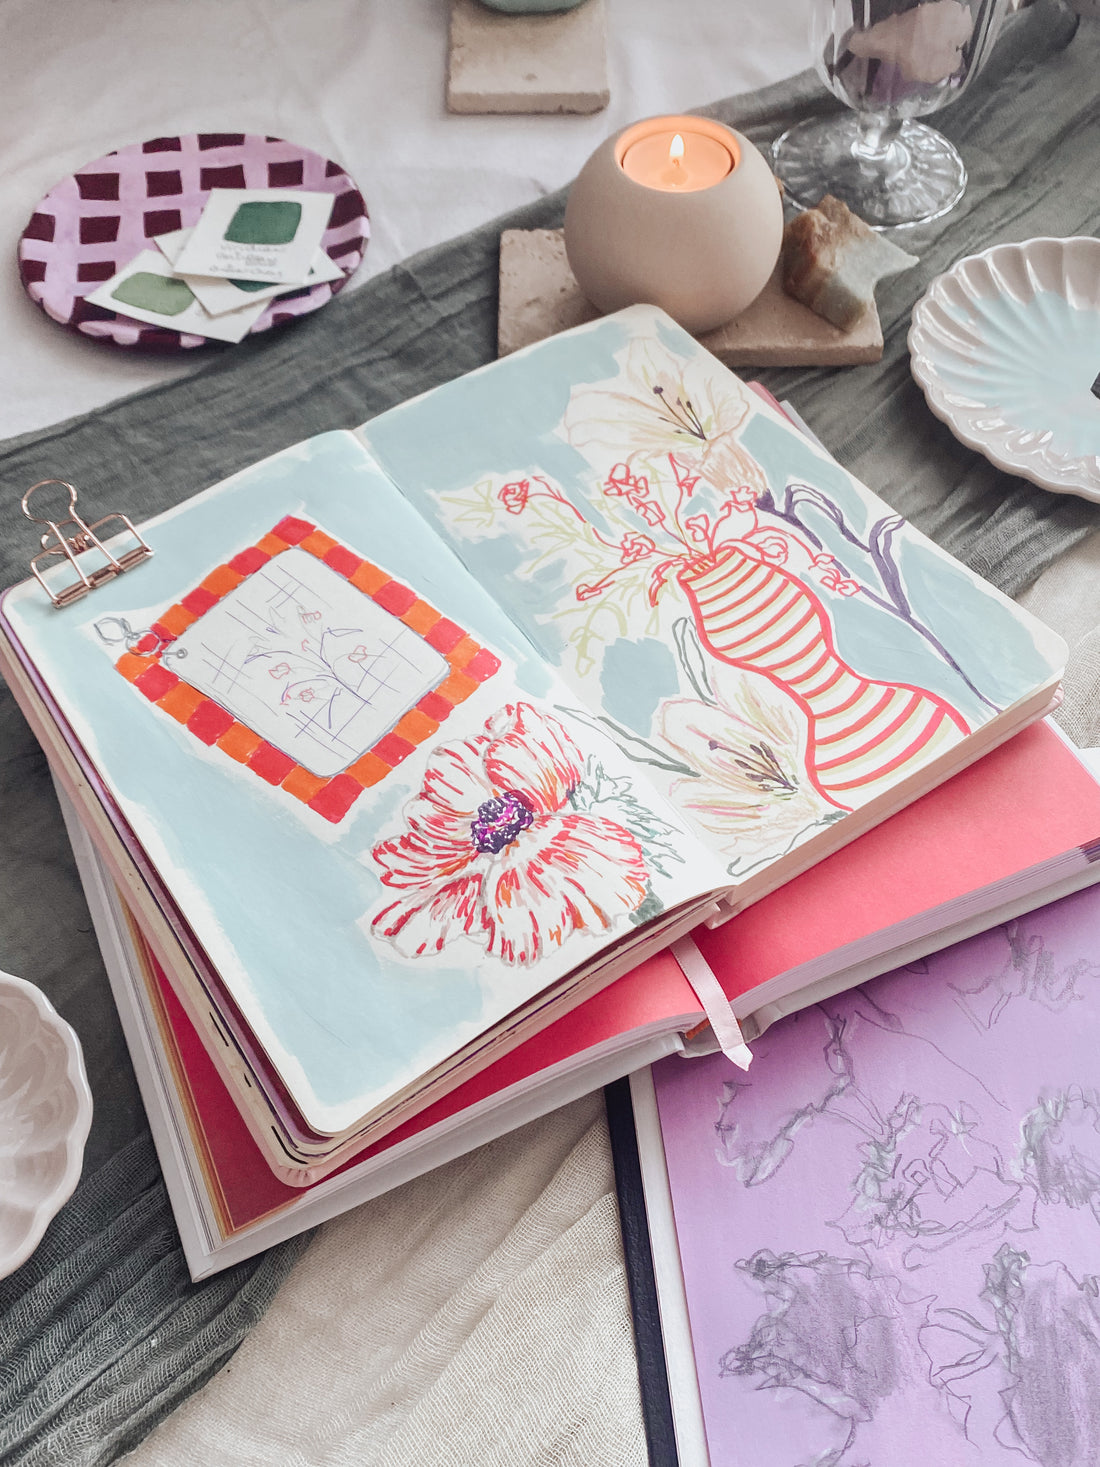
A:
{"points": [[908, 175]]}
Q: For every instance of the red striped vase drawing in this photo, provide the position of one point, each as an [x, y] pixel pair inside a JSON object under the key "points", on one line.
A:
{"points": [[863, 735]]}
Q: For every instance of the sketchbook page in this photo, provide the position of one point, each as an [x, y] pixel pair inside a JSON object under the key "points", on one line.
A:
{"points": [[888, 1227], [368, 797], [758, 631]]}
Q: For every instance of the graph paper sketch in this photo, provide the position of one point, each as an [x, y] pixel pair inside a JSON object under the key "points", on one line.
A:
{"points": [[890, 1227], [307, 661]]}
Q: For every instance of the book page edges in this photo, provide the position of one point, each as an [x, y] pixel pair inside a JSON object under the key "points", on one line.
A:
{"points": [[687, 1410], [211, 1239]]}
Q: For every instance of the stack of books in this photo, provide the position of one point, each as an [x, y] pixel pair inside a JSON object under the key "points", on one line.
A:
{"points": [[564, 718]]}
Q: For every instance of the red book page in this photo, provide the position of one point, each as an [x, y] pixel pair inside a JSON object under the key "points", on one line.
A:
{"points": [[239, 1179], [1027, 801]]}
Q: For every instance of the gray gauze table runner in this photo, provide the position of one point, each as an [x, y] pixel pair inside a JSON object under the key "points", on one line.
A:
{"points": [[101, 1332]]}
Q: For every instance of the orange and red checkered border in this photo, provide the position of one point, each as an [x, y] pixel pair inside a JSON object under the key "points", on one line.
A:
{"points": [[470, 665]]}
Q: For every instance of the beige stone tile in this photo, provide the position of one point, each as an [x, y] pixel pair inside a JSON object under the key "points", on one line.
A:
{"points": [[539, 296], [527, 63]]}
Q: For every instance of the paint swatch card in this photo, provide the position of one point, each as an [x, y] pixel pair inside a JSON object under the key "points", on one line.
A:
{"points": [[219, 295], [147, 289], [269, 235]]}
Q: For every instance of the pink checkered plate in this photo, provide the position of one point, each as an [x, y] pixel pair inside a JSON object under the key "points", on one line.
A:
{"points": [[93, 223]]}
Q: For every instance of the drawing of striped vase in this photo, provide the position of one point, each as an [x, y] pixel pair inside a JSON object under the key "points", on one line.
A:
{"points": [[864, 735]]}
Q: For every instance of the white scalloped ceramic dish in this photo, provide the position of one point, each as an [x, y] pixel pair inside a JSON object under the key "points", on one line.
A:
{"points": [[45, 1113], [1006, 346]]}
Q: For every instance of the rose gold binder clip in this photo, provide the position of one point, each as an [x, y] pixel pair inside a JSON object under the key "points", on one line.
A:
{"points": [[70, 537]]}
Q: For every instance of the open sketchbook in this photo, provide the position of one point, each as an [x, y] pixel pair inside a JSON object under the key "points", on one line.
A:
{"points": [[881, 1244], [410, 742], [988, 844]]}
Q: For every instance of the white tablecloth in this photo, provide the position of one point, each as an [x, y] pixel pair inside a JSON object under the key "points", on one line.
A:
{"points": [[361, 81], [478, 1315]]}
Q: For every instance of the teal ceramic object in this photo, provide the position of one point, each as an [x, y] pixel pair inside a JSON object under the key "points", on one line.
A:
{"points": [[532, 7], [1006, 346]]}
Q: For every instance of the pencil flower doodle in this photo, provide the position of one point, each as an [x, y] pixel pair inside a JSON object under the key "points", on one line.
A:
{"points": [[498, 848]]}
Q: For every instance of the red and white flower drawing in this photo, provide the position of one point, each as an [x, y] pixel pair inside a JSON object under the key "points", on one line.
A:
{"points": [[494, 851]]}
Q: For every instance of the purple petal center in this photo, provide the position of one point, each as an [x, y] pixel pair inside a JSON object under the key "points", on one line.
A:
{"points": [[499, 822]]}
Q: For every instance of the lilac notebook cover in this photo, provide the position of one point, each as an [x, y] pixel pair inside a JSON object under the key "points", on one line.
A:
{"points": [[890, 1227]]}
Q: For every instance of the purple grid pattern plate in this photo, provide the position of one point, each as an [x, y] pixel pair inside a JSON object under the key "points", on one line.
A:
{"points": [[93, 223]]}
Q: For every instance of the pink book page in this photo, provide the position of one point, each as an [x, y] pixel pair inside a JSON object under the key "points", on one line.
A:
{"points": [[1023, 803], [890, 1227]]}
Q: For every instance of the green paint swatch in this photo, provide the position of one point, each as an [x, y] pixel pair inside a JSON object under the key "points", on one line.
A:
{"points": [[251, 285], [159, 293], [264, 222]]}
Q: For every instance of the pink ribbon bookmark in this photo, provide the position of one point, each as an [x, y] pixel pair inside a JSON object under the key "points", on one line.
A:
{"points": [[716, 1005]]}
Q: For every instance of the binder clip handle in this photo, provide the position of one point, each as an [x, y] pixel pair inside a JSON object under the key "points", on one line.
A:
{"points": [[68, 537], [44, 484]]}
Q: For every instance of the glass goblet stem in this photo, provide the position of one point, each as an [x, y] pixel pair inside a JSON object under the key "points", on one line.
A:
{"points": [[877, 134]]}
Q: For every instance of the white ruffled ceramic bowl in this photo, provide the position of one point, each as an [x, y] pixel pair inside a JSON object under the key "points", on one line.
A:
{"points": [[45, 1113], [1006, 346]]}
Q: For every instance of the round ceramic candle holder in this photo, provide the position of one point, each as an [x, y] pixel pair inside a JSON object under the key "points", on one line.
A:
{"points": [[701, 254]]}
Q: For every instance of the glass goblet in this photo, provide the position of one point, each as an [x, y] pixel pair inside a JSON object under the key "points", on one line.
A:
{"points": [[890, 61]]}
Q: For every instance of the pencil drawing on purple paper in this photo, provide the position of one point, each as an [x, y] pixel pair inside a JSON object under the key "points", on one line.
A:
{"points": [[902, 1224]]}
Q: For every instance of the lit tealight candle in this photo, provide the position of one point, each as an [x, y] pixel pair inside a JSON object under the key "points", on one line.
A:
{"points": [[679, 161], [679, 212]]}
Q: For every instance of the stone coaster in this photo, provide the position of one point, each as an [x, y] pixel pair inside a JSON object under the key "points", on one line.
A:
{"points": [[527, 63], [539, 296]]}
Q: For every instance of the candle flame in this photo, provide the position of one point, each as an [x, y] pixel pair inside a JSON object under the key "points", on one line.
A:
{"points": [[676, 149]]}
